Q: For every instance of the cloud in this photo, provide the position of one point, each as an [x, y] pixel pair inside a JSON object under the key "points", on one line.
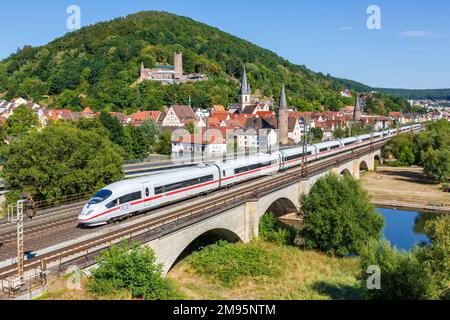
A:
{"points": [[419, 34], [345, 28]]}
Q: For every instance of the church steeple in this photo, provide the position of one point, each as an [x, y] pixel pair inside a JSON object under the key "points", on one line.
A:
{"points": [[357, 113], [245, 93], [245, 87]]}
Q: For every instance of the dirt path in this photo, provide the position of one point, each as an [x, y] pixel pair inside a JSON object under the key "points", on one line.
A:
{"points": [[404, 186]]}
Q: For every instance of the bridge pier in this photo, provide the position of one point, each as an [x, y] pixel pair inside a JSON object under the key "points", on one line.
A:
{"points": [[251, 221], [356, 169]]}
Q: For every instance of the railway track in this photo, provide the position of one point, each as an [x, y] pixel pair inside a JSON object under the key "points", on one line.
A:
{"points": [[84, 252]]}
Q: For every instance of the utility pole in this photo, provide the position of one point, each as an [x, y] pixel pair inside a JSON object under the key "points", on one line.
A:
{"points": [[305, 147], [206, 143], [16, 215]]}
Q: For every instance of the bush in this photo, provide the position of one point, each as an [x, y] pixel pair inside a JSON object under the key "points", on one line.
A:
{"points": [[272, 230], [228, 263], [436, 257], [134, 270], [402, 277], [339, 218]]}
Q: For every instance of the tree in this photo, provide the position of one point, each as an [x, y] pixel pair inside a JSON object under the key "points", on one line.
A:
{"points": [[436, 164], [61, 160], [316, 134], [435, 258], [115, 128], [272, 230], [151, 133], [21, 122], [402, 276], [191, 127], [401, 148], [132, 268], [139, 146], [165, 144], [339, 218]]}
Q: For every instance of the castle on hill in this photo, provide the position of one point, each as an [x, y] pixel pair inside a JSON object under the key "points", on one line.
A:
{"points": [[168, 74]]}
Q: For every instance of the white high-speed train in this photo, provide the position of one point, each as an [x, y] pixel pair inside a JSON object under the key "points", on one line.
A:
{"points": [[129, 197]]}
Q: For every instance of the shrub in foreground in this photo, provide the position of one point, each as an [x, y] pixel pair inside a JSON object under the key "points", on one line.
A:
{"points": [[228, 263], [134, 269], [402, 275]]}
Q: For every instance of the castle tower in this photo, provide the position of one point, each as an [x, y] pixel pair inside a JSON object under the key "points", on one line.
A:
{"points": [[283, 119], [358, 112], [245, 93], [178, 64], [142, 77]]}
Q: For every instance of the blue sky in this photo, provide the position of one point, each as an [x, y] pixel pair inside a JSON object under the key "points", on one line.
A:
{"points": [[411, 50]]}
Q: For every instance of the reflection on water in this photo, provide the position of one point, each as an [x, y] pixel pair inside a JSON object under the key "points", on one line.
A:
{"points": [[405, 229]]}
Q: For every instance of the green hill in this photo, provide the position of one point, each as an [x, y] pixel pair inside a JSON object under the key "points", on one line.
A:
{"points": [[98, 66], [434, 94]]}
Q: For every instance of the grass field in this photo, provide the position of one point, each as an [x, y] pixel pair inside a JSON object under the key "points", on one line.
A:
{"points": [[303, 275]]}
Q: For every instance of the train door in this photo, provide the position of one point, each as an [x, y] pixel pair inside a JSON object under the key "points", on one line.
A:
{"points": [[147, 193]]}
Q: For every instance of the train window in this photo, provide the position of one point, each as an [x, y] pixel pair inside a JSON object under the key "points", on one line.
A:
{"points": [[100, 196], [349, 143], [224, 174], [112, 204], [131, 197], [183, 184], [252, 167], [323, 150], [293, 157], [147, 192], [334, 147]]}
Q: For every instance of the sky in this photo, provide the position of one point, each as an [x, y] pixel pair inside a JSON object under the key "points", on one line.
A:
{"points": [[411, 49]]}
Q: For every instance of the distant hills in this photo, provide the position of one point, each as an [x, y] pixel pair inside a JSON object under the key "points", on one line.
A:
{"points": [[98, 66], [434, 94]]}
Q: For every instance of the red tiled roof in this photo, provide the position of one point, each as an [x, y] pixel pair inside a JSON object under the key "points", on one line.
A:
{"points": [[264, 114], [220, 115], [88, 110], [140, 117]]}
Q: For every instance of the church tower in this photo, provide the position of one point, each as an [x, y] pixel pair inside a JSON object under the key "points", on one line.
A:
{"points": [[283, 119], [178, 64], [358, 112], [245, 94]]}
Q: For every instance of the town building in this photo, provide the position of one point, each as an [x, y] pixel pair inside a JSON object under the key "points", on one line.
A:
{"points": [[179, 116]]}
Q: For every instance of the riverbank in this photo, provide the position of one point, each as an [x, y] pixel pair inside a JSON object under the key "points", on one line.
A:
{"points": [[406, 188], [303, 275]]}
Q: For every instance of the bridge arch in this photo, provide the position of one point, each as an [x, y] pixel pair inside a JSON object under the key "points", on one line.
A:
{"points": [[346, 172], [281, 207], [377, 159], [200, 241], [363, 167]]}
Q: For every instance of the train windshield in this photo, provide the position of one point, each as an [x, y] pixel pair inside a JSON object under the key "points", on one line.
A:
{"points": [[100, 196]]}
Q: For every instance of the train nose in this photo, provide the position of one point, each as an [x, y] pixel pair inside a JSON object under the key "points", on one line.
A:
{"points": [[84, 215]]}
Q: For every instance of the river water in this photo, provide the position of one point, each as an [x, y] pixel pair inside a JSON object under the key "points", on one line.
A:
{"points": [[404, 229]]}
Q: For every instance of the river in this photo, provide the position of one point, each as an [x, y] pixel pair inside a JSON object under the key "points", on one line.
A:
{"points": [[404, 229]]}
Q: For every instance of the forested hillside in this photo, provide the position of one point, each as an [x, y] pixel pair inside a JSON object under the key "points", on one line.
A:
{"points": [[434, 94], [98, 66]]}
